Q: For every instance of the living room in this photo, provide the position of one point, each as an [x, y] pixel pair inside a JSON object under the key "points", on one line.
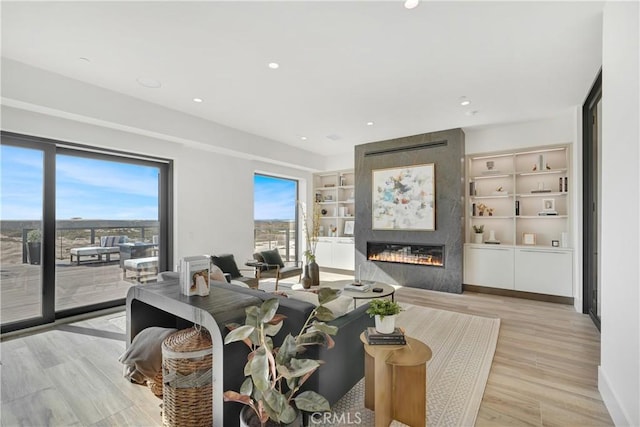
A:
{"points": [[220, 162]]}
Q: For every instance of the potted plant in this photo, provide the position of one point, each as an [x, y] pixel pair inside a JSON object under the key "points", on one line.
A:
{"points": [[34, 246], [274, 374], [385, 312], [479, 230]]}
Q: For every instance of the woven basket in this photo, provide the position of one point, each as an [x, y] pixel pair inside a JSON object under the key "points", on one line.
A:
{"points": [[155, 384], [186, 369]]}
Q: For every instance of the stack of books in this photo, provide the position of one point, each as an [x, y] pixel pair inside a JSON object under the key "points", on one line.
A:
{"points": [[357, 286], [194, 275], [376, 338]]}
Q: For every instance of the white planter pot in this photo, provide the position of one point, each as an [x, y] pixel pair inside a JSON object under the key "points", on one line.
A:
{"points": [[386, 325], [479, 237]]}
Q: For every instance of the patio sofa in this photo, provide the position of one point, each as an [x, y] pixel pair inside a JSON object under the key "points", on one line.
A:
{"points": [[108, 245]]}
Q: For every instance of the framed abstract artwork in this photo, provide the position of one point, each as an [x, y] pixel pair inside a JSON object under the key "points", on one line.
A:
{"points": [[404, 198]]}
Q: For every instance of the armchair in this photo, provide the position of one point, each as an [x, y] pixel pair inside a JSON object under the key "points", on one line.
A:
{"points": [[227, 264], [270, 265]]}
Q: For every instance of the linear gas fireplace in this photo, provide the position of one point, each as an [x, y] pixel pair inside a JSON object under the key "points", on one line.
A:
{"points": [[403, 253]]}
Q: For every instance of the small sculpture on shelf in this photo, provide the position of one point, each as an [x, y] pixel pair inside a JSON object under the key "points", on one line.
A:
{"points": [[481, 208]]}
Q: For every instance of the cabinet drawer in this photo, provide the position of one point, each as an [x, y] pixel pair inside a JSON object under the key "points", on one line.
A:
{"points": [[544, 271], [488, 266], [344, 256]]}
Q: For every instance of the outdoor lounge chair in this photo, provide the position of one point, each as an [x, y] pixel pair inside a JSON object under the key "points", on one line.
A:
{"points": [[108, 245]]}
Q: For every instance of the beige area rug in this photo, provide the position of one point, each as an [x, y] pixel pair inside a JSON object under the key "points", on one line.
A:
{"points": [[463, 346]]}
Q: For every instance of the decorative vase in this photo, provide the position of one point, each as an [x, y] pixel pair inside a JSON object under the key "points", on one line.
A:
{"points": [[306, 278], [314, 273], [248, 418], [479, 237], [385, 325]]}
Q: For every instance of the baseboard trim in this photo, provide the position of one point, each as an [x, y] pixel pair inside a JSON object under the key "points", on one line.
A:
{"points": [[610, 401], [517, 294]]}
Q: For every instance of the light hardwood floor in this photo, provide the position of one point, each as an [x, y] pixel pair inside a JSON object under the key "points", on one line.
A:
{"points": [[544, 372]]}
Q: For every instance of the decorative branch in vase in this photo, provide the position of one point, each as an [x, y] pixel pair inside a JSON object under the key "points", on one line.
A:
{"points": [[311, 233]]}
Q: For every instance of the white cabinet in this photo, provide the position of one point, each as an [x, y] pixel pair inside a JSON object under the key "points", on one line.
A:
{"points": [[544, 271], [344, 254], [336, 253], [490, 266]]}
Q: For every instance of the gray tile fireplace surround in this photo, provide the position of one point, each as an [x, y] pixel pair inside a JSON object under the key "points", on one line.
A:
{"points": [[446, 150]]}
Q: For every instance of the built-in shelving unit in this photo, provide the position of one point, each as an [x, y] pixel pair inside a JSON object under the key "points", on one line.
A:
{"points": [[522, 199], [335, 194]]}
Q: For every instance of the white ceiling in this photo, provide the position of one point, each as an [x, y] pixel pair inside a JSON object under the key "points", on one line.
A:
{"points": [[342, 64]]}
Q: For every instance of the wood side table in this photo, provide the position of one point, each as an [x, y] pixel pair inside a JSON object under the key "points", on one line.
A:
{"points": [[395, 379]]}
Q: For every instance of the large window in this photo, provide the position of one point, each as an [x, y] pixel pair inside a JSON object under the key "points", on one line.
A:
{"points": [[275, 215], [79, 228]]}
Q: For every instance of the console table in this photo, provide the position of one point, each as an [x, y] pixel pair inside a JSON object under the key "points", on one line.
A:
{"points": [[162, 304]]}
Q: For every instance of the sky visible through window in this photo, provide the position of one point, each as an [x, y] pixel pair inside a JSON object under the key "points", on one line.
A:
{"points": [[85, 188], [274, 198]]}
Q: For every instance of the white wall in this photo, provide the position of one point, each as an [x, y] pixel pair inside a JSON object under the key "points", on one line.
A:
{"points": [[213, 176], [619, 373]]}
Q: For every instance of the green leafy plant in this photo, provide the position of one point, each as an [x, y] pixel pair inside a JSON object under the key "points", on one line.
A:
{"points": [[478, 228], [383, 307], [274, 375], [34, 236]]}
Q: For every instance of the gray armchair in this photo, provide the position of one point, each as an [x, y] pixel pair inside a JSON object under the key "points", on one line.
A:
{"points": [[227, 264], [269, 264]]}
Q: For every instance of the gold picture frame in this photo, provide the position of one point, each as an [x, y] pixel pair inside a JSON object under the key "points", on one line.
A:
{"points": [[529, 239]]}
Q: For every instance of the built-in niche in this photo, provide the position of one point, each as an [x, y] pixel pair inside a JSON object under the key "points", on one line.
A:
{"points": [[428, 259]]}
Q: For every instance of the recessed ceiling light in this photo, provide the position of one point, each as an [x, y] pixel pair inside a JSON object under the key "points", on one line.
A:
{"points": [[464, 101], [304, 138], [411, 4], [147, 82], [369, 123], [274, 65], [197, 99]]}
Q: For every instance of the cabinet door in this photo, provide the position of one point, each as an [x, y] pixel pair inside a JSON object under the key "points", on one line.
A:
{"points": [[344, 254], [323, 253], [488, 266], [544, 271]]}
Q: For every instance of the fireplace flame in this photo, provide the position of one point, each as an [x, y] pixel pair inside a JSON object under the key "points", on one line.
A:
{"points": [[406, 258]]}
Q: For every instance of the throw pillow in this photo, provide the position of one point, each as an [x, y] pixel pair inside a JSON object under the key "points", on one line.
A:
{"points": [[143, 359], [227, 264], [272, 257], [216, 274]]}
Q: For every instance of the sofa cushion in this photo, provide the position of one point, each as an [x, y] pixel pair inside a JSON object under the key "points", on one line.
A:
{"points": [[272, 257], [227, 264], [111, 241]]}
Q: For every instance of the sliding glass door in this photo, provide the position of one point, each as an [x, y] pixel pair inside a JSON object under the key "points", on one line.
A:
{"points": [[79, 228], [107, 212], [21, 202]]}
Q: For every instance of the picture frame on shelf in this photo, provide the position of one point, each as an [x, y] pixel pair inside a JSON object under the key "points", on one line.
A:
{"points": [[548, 205], [529, 239], [349, 227]]}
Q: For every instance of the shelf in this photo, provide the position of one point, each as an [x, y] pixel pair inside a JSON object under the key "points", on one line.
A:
{"points": [[346, 201], [347, 187], [503, 175], [541, 216], [491, 197], [326, 188], [544, 172], [557, 194], [327, 203], [493, 217]]}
